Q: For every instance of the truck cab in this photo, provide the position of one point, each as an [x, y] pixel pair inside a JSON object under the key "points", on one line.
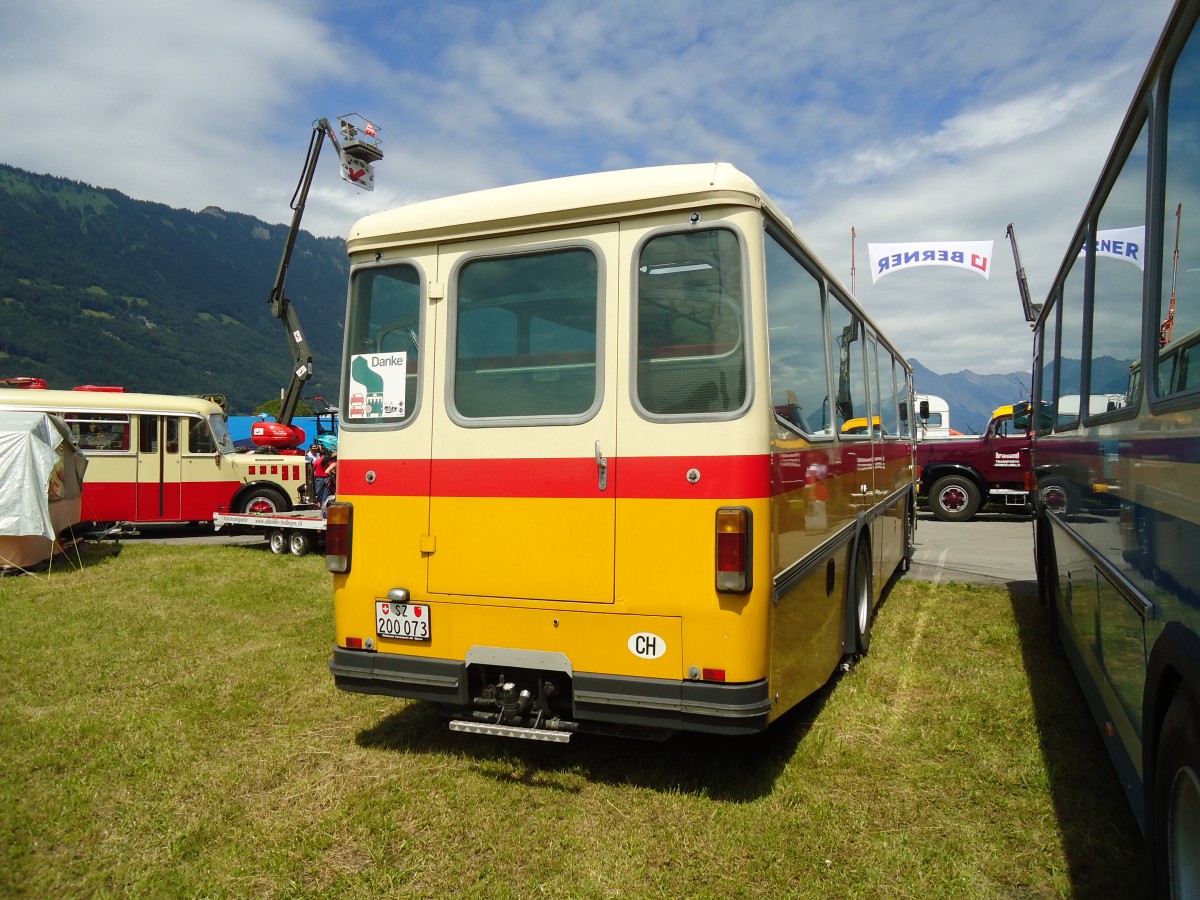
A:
{"points": [[958, 476]]}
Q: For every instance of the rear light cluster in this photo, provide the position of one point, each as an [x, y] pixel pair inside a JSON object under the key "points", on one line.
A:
{"points": [[338, 519], [733, 550]]}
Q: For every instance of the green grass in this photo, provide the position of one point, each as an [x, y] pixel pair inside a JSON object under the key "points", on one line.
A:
{"points": [[168, 727]]}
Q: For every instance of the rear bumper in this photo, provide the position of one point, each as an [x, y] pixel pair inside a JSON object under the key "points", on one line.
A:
{"points": [[651, 703]]}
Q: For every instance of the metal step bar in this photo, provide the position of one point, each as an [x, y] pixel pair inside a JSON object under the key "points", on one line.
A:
{"points": [[513, 731]]}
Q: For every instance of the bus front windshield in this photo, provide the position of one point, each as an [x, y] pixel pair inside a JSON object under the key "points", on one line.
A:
{"points": [[221, 434]]}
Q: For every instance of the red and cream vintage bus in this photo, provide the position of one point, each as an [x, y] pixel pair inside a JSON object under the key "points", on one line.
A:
{"points": [[592, 469], [162, 458]]}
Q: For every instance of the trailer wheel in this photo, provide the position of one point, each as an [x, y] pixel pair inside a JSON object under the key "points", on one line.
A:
{"points": [[1177, 800], [299, 543], [263, 500], [954, 498], [277, 540]]}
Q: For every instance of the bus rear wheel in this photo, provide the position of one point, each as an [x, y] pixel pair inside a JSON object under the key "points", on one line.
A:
{"points": [[1177, 800], [861, 599]]}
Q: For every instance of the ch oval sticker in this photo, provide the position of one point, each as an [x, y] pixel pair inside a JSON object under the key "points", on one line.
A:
{"points": [[647, 645]]}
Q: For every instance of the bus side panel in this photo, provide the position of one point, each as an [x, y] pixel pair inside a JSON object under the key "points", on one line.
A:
{"points": [[807, 624], [1078, 604], [890, 485], [109, 489]]}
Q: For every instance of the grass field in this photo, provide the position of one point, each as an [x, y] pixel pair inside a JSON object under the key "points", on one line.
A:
{"points": [[168, 727]]}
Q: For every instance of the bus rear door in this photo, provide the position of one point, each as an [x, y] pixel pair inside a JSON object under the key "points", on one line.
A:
{"points": [[522, 498]]}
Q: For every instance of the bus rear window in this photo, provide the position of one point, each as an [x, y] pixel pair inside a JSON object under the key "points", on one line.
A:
{"points": [[383, 343], [525, 335], [690, 342]]}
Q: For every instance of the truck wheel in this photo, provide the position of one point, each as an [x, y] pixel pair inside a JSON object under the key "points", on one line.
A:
{"points": [[1177, 801], [954, 498], [277, 541], [263, 500], [1055, 495], [299, 543]]}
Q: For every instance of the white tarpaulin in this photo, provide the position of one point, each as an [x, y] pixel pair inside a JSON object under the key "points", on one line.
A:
{"points": [[38, 467], [974, 256]]}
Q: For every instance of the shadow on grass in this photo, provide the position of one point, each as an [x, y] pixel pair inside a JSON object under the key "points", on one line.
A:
{"points": [[732, 769], [1101, 839]]}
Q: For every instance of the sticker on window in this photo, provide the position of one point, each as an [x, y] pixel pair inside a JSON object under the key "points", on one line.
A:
{"points": [[377, 382]]}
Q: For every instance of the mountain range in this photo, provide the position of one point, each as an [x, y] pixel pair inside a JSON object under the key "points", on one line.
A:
{"points": [[99, 288]]}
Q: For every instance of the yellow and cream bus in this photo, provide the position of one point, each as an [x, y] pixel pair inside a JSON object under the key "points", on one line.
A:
{"points": [[592, 470], [162, 458]]}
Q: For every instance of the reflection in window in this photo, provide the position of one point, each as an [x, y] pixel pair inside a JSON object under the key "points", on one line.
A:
{"points": [[99, 431], [1117, 304], [1047, 362], [525, 335], [200, 439], [1180, 328], [1066, 401], [691, 349], [384, 329], [796, 336], [846, 339], [889, 411]]}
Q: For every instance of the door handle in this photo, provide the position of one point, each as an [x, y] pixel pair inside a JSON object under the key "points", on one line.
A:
{"points": [[602, 466]]}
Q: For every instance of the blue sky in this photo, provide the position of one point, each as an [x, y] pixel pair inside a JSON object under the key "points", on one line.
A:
{"points": [[910, 120]]}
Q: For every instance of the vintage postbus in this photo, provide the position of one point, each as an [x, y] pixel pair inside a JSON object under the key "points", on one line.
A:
{"points": [[163, 458], [593, 473], [1117, 455]]}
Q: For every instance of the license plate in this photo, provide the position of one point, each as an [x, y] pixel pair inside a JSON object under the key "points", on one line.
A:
{"points": [[407, 621]]}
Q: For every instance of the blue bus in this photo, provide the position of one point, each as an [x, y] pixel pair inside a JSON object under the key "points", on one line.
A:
{"points": [[1116, 454]]}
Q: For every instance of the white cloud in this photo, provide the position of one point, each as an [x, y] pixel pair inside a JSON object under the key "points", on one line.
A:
{"points": [[908, 119]]}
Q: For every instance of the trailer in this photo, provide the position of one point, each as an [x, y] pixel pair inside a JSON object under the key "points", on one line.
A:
{"points": [[298, 532]]}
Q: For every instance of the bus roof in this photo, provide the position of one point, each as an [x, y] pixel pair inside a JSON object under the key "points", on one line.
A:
{"points": [[576, 200], [18, 398], [560, 201]]}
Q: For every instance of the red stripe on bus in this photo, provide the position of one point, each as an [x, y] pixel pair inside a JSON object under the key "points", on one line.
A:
{"points": [[663, 478]]}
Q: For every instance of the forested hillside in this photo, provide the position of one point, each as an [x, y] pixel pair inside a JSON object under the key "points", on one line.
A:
{"points": [[96, 287]]}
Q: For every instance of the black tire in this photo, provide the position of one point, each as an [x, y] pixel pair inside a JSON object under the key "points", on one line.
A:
{"points": [[1177, 801], [277, 541], [858, 603], [954, 498], [1055, 494], [299, 543], [263, 500]]}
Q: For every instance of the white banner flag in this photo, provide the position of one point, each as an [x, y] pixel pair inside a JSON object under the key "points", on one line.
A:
{"points": [[974, 256], [1125, 244]]}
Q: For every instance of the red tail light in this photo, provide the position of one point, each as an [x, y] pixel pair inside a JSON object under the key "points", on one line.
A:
{"points": [[733, 550], [338, 519]]}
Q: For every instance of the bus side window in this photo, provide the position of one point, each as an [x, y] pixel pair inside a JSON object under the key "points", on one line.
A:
{"points": [[172, 435], [200, 439], [148, 438], [799, 385], [1178, 318]]}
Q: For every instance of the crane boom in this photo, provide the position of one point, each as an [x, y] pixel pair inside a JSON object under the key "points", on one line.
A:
{"points": [[357, 155]]}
